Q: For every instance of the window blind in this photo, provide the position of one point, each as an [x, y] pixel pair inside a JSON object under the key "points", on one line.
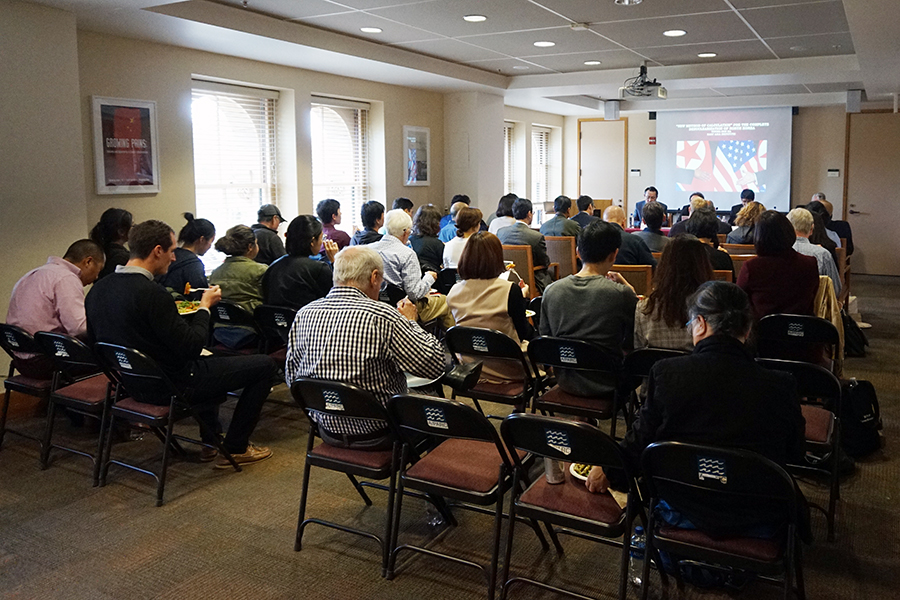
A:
{"points": [[509, 157], [540, 164]]}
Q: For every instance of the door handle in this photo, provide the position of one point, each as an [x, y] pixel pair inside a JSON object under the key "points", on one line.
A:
{"points": [[854, 212]]}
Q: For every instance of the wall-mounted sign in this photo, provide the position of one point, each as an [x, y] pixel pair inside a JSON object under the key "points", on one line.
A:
{"points": [[126, 157]]}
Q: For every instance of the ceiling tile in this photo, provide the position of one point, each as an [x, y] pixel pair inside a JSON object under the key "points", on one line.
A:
{"points": [[445, 17], [521, 43], [505, 66], [763, 90], [698, 93], [726, 52], [812, 45], [824, 88], [798, 19], [453, 50], [350, 23], [710, 27], [739, 4], [290, 9], [601, 11], [367, 4], [570, 63]]}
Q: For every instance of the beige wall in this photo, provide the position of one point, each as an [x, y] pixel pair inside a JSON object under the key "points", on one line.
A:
{"points": [[126, 68], [818, 139], [473, 146]]}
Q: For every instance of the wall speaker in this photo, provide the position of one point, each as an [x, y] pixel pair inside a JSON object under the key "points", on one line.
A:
{"points": [[652, 115]]}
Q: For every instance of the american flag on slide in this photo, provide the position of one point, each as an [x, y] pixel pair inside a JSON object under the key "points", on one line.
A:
{"points": [[726, 166]]}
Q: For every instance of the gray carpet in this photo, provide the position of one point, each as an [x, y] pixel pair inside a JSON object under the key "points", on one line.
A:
{"points": [[230, 535]]}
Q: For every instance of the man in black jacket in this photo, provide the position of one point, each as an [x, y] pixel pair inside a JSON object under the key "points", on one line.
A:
{"points": [[130, 309], [271, 248], [634, 250]]}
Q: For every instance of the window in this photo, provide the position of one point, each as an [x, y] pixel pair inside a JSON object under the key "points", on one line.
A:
{"points": [[540, 164], [509, 157], [234, 155], [339, 132]]}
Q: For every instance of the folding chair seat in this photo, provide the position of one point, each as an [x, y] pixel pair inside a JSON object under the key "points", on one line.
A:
{"points": [[492, 346], [228, 314], [797, 337], [582, 357], [144, 394], [469, 465], [819, 392], [738, 487], [569, 505], [89, 395], [15, 339]]}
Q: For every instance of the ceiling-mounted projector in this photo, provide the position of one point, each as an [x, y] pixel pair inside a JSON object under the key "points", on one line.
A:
{"points": [[641, 87]]}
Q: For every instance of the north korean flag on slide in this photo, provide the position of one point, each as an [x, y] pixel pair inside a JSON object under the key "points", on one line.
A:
{"points": [[726, 166]]}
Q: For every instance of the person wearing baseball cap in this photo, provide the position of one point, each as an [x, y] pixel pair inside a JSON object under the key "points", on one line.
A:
{"points": [[271, 248]]}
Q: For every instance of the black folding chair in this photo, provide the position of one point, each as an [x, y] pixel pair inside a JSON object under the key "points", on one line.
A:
{"points": [[228, 314], [595, 517], [145, 395], [274, 323], [738, 487], [636, 371], [446, 279], [820, 401], [797, 337], [470, 465], [79, 388], [491, 346], [391, 293], [586, 359], [15, 339]]}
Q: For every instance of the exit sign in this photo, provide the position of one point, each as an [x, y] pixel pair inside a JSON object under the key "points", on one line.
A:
{"points": [[652, 140]]}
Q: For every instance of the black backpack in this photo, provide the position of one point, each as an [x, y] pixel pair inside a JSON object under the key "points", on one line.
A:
{"points": [[860, 418], [855, 340]]}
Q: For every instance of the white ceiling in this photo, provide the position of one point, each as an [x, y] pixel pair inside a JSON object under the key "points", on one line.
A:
{"points": [[784, 52]]}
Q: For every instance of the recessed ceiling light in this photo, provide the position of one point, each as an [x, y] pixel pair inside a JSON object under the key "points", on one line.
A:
{"points": [[370, 29], [798, 48], [474, 18], [544, 44], [628, 2], [707, 55], [520, 67], [592, 63], [836, 46], [675, 33]]}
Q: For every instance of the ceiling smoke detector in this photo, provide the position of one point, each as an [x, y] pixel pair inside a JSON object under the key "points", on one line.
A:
{"points": [[628, 2], [641, 87]]}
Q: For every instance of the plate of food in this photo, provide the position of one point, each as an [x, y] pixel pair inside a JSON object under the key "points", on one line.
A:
{"points": [[529, 313], [187, 307], [579, 471]]}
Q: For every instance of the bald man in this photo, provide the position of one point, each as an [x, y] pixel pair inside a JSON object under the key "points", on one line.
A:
{"points": [[448, 232], [633, 250]]}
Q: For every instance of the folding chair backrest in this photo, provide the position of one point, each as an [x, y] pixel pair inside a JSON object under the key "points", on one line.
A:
{"points": [[141, 376], [815, 384], [799, 329], [441, 418], [521, 256], [562, 439], [738, 261], [229, 314], [336, 399], [639, 362], [571, 354], [719, 484], [69, 354], [275, 321], [446, 279], [722, 275], [738, 248], [391, 293], [639, 276], [15, 339], [475, 341], [561, 250]]}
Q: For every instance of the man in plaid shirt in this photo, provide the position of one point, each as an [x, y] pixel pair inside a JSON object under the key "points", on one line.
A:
{"points": [[350, 337]]}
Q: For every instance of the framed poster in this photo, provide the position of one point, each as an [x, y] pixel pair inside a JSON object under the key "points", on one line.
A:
{"points": [[417, 149], [126, 153]]}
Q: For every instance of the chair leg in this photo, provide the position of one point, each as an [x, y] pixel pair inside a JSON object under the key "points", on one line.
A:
{"points": [[648, 552], [48, 435], [789, 558], [386, 547], [507, 555], [161, 484], [395, 518], [834, 492], [626, 552], [798, 568], [495, 549], [359, 489], [107, 450], [3, 412], [105, 429], [540, 534], [304, 493]]}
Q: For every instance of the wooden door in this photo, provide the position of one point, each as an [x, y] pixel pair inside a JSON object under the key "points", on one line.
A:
{"points": [[603, 159]]}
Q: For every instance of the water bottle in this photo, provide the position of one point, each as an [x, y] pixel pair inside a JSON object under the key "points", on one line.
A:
{"points": [[636, 559]]}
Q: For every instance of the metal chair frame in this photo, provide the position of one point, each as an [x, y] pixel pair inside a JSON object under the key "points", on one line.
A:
{"points": [[796, 332], [15, 339], [636, 369], [229, 314]]}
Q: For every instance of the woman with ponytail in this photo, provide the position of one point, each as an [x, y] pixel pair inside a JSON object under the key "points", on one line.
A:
{"points": [[194, 239], [111, 233], [240, 278]]}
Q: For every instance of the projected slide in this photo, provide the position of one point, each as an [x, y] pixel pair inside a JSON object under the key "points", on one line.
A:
{"points": [[720, 153]]}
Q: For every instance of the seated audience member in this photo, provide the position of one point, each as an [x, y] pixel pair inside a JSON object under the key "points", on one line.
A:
{"points": [[270, 245], [424, 240], [51, 298], [703, 225], [594, 305], [818, 210], [468, 222], [634, 250], [295, 279], [448, 231], [404, 204], [194, 240], [483, 299], [779, 279], [503, 217], [718, 396], [746, 196], [841, 228], [327, 342], [659, 320], [652, 235], [457, 198], [819, 238], [560, 224], [697, 202], [724, 228], [372, 216], [585, 214], [521, 234], [128, 308], [240, 281], [329, 212], [111, 234], [651, 195], [802, 221], [745, 222], [401, 268], [685, 211]]}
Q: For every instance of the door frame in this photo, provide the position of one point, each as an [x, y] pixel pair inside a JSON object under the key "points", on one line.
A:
{"points": [[624, 171]]}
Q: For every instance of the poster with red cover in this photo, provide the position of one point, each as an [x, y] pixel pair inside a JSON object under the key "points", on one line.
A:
{"points": [[125, 146]]}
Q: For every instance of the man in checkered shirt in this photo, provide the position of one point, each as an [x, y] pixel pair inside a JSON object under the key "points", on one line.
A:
{"points": [[349, 336]]}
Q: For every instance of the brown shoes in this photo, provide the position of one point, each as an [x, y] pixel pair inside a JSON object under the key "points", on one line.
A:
{"points": [[253, 454]]}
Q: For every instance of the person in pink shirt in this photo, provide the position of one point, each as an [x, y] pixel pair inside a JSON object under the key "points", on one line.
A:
{"points": [[51, 298]]}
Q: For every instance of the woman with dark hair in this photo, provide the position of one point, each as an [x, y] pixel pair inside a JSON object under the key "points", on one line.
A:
{"points": [[111, 232], [819, 236], [504, 214], [194, 239], [659, 319], [483, 299], [779, 279], [468, 222], [704, 224], [295, 279], [240, 278], [424, 238], [745, 221]]}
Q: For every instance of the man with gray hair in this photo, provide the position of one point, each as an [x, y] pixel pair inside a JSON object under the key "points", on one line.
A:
{"points": [[802, 220], [401, 268], [351, 337]]}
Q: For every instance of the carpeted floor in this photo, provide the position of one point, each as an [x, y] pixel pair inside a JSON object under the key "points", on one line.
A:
{"points": [[230, 535]]}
